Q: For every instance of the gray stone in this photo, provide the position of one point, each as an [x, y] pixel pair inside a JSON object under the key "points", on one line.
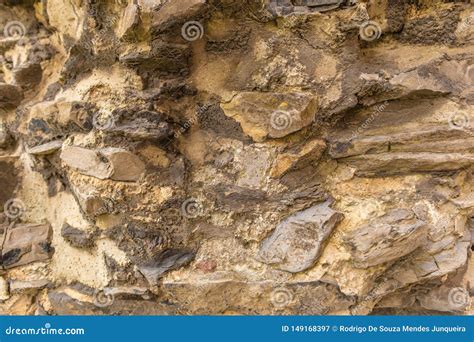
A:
{"points": [[85, 161], [298, 240], [20, 286], [45, 149], [108, 163], [77, 237], [166, 261], [388, 238], [446, 299]]}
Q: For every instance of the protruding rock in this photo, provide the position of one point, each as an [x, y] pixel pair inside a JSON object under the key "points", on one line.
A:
{"points": [[390, 237], [405, 162], [166, 261], [175, 11], [77, 237], [45, 149], [298, 240], [20, 286], [308, 154], [125, 165], [273, 115], [128, 20], [108, 163], [85, 161], [25, 244]]}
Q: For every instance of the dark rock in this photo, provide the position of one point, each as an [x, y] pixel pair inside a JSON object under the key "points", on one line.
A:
{"points": [[167, 261], [10, 96], [25, 244], [77, 237]]}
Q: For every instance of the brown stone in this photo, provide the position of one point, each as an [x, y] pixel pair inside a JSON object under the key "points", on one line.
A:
{"points": [[25, 244]]}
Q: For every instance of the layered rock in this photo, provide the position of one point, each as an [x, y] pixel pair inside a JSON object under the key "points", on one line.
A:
{"points": [[236, 157]]}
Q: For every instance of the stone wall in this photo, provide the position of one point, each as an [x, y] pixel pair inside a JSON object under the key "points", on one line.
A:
{"points": [[236, 157]]}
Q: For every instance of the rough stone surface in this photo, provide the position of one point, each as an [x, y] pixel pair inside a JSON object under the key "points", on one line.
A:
{"points": [[236, 157], [24, 244], [298, 240], [390, 237]]}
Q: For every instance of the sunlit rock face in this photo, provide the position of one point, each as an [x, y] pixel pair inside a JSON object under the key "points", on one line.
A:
{"points": [[236, 157]]}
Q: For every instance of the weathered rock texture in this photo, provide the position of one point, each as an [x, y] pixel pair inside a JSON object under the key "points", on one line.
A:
{"points": [[236, 157]]}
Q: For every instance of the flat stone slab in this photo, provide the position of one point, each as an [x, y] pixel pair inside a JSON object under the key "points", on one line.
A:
{"points": [[45, 149], [107, 163]]}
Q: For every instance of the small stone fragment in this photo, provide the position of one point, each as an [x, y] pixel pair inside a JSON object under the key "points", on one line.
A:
{"points": [[47, 148], [77, 237]]}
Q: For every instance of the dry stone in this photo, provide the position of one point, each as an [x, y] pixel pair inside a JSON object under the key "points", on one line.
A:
{"points": [[298, 240], [390, 237]]}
